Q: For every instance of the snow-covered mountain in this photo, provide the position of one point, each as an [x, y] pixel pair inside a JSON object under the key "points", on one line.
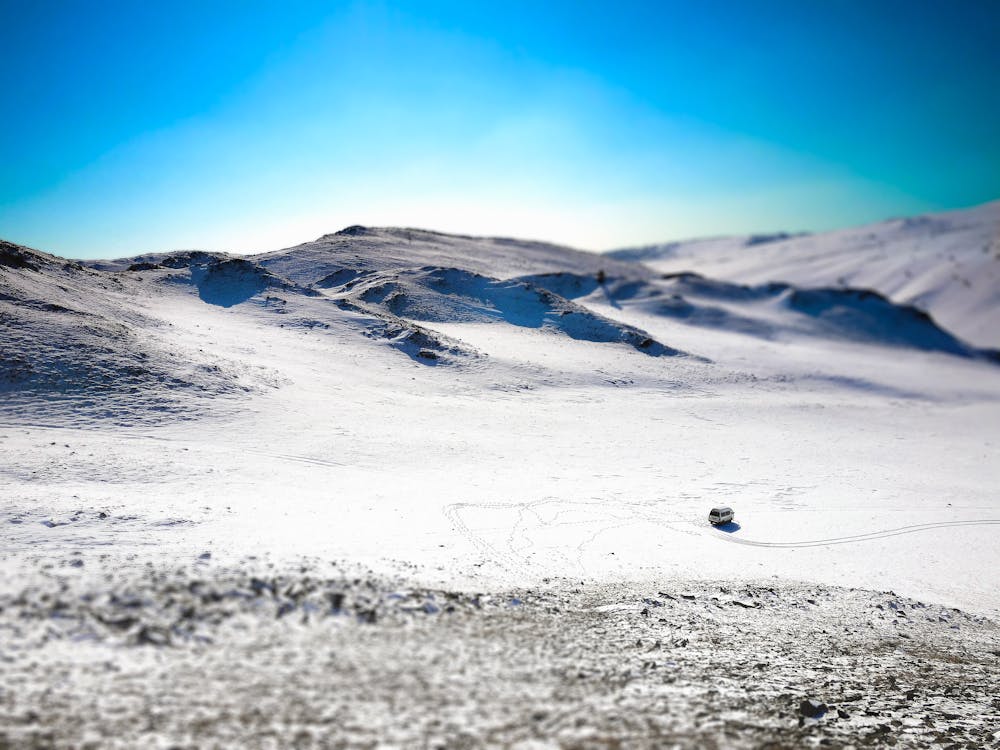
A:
{"points": [[109, 329], [80, 331], [947, 264]]}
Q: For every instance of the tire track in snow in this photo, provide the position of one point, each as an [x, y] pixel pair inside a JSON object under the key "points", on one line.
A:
{"points": [[293, 457], [515, 560], [512, 563], [870, 536]]}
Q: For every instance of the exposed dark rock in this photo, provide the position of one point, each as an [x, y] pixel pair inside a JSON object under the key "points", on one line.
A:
{"points": [[15, 256], [811, 708], [355, 230]]}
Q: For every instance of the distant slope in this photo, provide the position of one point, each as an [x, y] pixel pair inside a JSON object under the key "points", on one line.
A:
{"points": [[409, 276], [769, 311], [449, 295], [374, 249], [945, 264], [439, 278]]}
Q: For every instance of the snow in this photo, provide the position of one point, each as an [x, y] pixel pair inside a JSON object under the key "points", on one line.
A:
{"points": [[208, 656], [475, 414], [264, 403], [945, 264]]}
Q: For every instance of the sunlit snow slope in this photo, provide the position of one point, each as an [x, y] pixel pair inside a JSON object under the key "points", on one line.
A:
{"points": [[947, 265]]}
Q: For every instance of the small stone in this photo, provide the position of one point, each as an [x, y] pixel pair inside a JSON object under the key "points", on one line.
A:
{"points": [[152, 636]]}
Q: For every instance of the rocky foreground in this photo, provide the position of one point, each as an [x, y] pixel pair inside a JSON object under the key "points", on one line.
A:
{"points": [[96, 656]]}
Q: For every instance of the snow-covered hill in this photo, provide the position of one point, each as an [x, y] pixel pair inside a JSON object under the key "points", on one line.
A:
{"points": [[947, 265], [104, 335]]}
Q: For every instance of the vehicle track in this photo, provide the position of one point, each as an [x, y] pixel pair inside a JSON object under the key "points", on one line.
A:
{"points": [[870, 536], [516, 560], [506, 560]]}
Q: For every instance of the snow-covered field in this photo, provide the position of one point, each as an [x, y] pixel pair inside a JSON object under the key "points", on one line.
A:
{"points": [[453, 414]]}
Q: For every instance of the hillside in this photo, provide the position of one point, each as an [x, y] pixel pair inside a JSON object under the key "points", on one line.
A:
{"points": [[947, 265]]}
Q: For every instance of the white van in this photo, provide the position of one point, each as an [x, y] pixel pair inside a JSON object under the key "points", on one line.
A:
{"points": [[718, 516]]}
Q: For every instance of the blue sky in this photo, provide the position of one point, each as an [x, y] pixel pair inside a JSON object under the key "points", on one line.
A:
{"points": [[128, 127]]}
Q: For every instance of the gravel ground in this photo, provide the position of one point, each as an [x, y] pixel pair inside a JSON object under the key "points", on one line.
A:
{"points": [[254, 657]]}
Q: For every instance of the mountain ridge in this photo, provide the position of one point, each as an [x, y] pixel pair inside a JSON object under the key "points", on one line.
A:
{"points": [[946, 264]]}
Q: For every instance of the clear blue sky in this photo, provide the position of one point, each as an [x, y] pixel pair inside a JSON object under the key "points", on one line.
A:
{"points": [[138, 126]]}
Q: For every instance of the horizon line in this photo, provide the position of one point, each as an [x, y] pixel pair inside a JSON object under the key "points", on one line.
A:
{"points": [[788, 234]]}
